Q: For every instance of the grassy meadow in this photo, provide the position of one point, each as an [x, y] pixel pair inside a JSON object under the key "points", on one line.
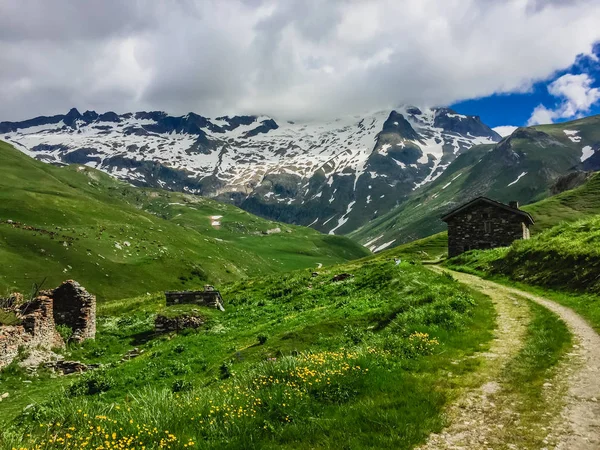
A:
{"points": [[295, 361], [119, 241]]}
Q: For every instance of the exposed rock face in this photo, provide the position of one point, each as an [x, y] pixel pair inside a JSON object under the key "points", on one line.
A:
{"points": [[334, 175], [69, 304], [570, 181], [163, 324]]}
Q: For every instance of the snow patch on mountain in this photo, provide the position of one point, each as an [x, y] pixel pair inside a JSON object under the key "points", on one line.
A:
{"points": [[517, 180], [586, 152], [263, 160]]}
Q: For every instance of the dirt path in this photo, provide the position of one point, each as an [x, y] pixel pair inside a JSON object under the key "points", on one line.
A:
{"points": [[485, 418]]}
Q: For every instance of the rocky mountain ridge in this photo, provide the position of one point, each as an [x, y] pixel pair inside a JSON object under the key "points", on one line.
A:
{"points": [[333, 176]]}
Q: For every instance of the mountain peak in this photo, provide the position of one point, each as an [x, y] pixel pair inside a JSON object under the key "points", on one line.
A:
{"points": [[396, 123]]}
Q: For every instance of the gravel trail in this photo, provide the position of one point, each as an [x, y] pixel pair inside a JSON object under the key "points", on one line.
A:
{"points": [[485, 417]]}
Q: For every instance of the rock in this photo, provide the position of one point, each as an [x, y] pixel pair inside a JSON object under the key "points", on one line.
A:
{"points": [[342, 277], [133, 353], [4, 396], [69, 367]]}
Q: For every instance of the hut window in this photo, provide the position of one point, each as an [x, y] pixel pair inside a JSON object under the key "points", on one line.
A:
{"points": [[487, 226]]}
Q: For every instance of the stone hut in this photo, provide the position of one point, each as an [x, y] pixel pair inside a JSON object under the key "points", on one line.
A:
{"points": [[483, 223], [208, 297]]}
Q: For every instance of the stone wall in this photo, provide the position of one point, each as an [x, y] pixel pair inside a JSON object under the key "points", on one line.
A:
{"points": [[76, 308], [69, 304], [36, 331], [163, 324], [484, 226], [209, 298]]}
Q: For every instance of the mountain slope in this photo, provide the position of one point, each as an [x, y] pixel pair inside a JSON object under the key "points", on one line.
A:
{"points": [[118, 240], [523, 166], [333, 176], [580, 203]]}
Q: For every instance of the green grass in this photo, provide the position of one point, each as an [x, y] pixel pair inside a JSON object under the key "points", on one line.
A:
{"points": [[8, 318], [561, 263], [566, 257], [570, 206], [119, 241], [354, 364]]}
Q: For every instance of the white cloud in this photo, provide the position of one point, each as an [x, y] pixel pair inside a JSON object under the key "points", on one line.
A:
{"points": [[576, 96], [287, 58], [505, 130]]}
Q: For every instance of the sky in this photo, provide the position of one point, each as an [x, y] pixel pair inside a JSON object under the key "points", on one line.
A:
{"points": [[512, 62]]}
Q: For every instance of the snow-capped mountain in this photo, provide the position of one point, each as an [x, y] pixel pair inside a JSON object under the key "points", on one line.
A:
{"points": [[333, 176]]}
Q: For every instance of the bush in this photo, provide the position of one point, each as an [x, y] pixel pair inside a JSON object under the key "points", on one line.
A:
{"points": [[91, 383], [225, 371], [179, 348], [353, 335], [262, 338], [181, 386]]}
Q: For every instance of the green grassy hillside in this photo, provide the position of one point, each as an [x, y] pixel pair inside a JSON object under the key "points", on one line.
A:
{"points": [[118, 241], [570, 206], [566, 256], [536, 156], [295, 361]]}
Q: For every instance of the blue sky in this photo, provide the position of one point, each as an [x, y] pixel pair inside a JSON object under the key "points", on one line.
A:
{"points": [[517, 108]]}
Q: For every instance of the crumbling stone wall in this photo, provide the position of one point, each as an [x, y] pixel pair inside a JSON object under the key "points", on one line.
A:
{"points": [[163, 324], [37, 330], [208, 297], [76, 308], [69, 304]]}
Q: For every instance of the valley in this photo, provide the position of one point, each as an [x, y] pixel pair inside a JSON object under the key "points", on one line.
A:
{"points": [[320, 343], [118, 241]]}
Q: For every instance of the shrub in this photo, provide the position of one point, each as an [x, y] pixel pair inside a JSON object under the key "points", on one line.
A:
{"points": [[262, 338], [181, 386], [179, 348], [225, 371], [353, 334], [91, 383]]}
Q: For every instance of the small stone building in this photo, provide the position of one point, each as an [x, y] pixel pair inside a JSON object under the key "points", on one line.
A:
{"points": [[483, 223]]}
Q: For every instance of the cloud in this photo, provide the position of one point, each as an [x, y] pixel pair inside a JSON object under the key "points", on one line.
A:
{"points": [[505, 130], [287, 58], [576, 95]]}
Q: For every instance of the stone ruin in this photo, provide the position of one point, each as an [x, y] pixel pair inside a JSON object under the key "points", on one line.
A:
{"points": [[208, 297], [69, 304], [163, 324], [76, 308]]}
